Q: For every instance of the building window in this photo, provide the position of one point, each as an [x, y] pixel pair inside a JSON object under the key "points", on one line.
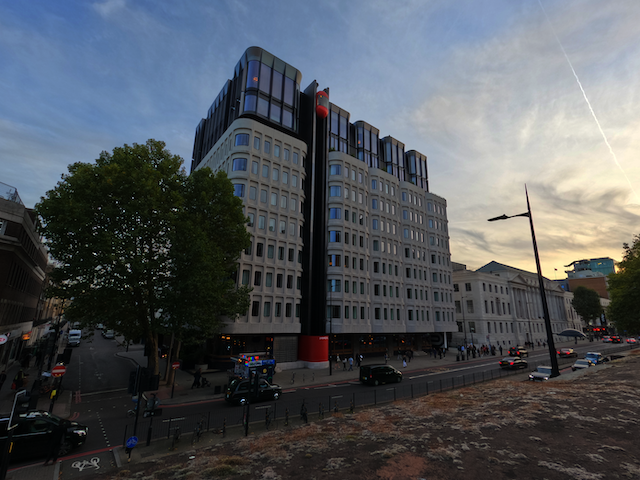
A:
{"points": [[245, 277], [238, 190], [257, 279], [239, 164], [259, 249], [268, 279], [256, 142], [335, 191], [242, 139], [255, 309], [267, 309], [467, 287], [270, 251], [267, 147]]}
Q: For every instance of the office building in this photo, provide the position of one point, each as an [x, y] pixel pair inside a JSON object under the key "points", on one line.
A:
{"points": [[348, 241]]}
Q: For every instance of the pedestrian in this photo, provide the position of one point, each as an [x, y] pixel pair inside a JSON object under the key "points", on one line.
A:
{"points": [[3, 378], [344, 363], [57, 438], [350, 364], [337, 361], [386, 358], [196, 379], [404, 362], [500, 348], [18, 380]]}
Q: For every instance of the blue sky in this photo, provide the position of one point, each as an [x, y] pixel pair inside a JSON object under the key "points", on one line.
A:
{"points": [[482, 87]]}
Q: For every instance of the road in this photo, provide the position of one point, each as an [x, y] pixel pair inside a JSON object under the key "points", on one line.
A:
{"points": [[101, 378]]}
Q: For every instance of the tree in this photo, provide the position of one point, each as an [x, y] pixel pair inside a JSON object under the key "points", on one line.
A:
{"points": [[143, 248], [624, 291], [586, 303]]}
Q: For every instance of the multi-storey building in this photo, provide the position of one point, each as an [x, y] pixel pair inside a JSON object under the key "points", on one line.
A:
{"points": [[23, 262], [348, 241], [501, 305]]}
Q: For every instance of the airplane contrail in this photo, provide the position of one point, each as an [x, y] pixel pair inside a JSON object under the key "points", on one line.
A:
{"points": [[586, 99]]}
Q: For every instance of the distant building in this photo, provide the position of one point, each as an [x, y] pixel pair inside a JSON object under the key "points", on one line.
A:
{"points": [[23, 264], [501, 305], [595, 267], [348, 243]]}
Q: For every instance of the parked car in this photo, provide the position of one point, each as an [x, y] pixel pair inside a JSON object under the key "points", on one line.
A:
{"points": [[606, 339], [616, 339], [518, 351], [596, 357], [581, 363], [379, 374], [74, 338], [32, 437], [109, 334], [241, 390], [631, 340], [567, 352], [513, 363], [100, 326], [540, 374]]}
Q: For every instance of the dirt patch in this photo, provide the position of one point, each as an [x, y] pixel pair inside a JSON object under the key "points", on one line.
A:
{"points": [[584, 429]]}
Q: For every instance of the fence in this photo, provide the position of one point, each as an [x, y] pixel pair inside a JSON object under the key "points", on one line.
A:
{"points": [[289, 412]]}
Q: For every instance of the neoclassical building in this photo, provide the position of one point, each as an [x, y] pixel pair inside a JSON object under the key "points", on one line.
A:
{"points": [[501, 305], [350, 248]]}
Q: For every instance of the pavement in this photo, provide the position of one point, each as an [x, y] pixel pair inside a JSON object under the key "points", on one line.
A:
{"points": [[182, 393]]}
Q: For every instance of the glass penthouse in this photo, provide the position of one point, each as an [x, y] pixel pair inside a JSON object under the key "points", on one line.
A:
{"points": [[350, 250]]}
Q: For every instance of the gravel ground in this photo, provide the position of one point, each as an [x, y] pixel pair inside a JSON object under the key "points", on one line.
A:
{"points": [[582, 428]]}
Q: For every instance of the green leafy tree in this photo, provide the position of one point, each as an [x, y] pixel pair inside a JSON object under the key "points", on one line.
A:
{"points": [[624, 291], [586, 303], [143, 248]]}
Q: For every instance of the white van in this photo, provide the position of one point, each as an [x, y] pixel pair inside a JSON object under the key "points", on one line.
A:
{"points": [[74, 338]]}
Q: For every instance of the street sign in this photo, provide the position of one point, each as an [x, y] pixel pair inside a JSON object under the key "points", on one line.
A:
{"points": [[132, 442], [3, 339], [58, 370], [175, 365]]}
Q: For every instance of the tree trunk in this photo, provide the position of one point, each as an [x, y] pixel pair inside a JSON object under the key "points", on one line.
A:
{"points": [[152, 348], [173, 358], [169, 360]]}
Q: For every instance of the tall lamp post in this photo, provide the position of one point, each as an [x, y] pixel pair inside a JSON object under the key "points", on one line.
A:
{"points": [[547, 320]]}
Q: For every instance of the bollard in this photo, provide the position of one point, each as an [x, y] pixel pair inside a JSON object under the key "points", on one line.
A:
{"points": [[351, 406], [335, 407], [286, 416], [224, 427], [321, 410]]}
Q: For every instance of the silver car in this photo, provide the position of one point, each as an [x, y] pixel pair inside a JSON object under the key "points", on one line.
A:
{"points": [[582, 363], [540, 374]]}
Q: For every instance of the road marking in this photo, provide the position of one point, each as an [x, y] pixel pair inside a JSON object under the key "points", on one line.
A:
{"points": [[87, 464]]}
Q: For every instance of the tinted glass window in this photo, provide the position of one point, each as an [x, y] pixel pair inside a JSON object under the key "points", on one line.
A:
{"points": [[250, 102], [239, 164], [276, 86], [265, 78], [275, 112], [263, 107], [252, 74], [288, 91], [242, 139]]}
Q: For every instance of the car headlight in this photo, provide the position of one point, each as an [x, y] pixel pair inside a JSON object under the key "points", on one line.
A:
{"points": [[80, 433]]}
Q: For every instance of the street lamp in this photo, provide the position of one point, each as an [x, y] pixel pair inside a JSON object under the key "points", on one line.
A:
{"points": [[547, 320]]}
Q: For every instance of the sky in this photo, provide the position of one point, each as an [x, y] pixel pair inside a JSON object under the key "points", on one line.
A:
{"points": [[498, 94]]}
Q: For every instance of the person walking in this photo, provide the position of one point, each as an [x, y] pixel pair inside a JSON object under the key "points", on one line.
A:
{"points": [[404, 362], [344, 363], [500, 348], [350, 364], [18, 380], [337, 361], [196, 379]]}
